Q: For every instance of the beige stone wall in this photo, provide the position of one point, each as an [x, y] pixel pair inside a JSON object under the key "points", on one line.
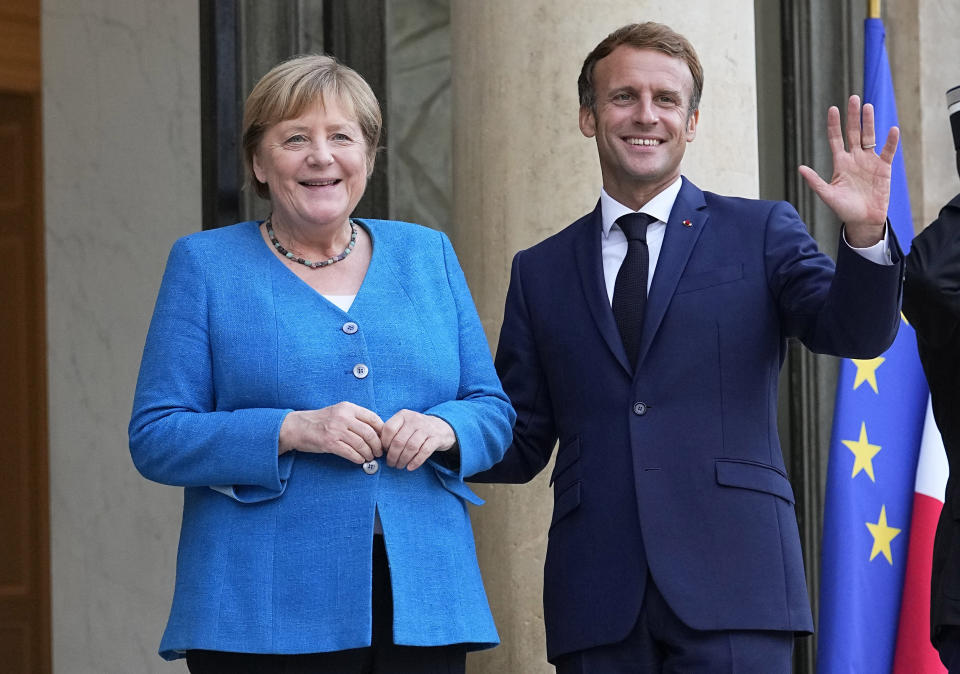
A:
{"points": [[523, 171], [923, 43], [122, 182]]}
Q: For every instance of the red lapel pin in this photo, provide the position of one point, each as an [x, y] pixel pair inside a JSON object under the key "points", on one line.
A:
{"points": [[687, 223]]}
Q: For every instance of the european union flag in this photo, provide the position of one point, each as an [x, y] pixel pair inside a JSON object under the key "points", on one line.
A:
{"points": [[877, 425]]}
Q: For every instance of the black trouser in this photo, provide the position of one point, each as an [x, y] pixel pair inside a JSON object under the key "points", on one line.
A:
{"points": [[662, 643], [948, 645], [381, 657]]}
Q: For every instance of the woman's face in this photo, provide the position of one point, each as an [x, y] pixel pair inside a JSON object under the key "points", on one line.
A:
{"points": [[315, 166]]}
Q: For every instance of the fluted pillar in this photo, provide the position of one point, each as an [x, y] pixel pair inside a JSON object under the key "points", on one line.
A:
{"points": [[522, 171]]}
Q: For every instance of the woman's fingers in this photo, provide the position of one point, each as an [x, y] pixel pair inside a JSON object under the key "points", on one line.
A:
{"points": [[351, 453], [390, 428], [401, 439], [409, 450], [426, 450], [369, 434], [344, 429], [369, 417], [357, 434], [409, 438]]}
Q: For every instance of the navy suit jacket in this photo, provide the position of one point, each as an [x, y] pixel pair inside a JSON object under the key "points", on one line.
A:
{"points": [[676, 467]]}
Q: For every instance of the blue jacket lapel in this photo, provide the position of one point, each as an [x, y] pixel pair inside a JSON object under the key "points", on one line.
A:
{"points": [[590, 264], [687, 220]]}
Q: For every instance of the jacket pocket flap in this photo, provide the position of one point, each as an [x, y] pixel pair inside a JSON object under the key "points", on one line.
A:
{"points": [[565, 503], [713, 277], [567, 455], [755, 476]]}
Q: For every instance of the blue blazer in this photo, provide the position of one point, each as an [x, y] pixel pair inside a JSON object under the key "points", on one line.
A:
{"points": [[676, 467], [275, 553]]}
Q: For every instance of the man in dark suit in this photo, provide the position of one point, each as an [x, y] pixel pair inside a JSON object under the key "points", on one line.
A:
{"points": [[931, 302], [653, 356]]}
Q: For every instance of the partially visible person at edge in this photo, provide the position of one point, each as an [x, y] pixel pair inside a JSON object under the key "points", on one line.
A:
{"points": [[647, 338], [931, 302], [320, 386]]}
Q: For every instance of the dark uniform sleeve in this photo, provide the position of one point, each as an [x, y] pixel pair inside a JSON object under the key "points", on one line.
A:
{"points": [[931, 292]]}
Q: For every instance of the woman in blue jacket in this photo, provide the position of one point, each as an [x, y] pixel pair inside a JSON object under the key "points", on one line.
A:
{"points": [[320, 386]]}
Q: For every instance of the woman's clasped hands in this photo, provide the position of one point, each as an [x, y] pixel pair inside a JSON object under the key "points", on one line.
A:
{"points": [[359, 435]]}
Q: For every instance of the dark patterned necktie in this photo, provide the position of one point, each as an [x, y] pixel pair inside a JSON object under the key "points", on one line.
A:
{"points": [[630, 289]]}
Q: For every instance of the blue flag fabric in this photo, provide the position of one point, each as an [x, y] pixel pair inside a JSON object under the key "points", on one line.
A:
{"points": [[877, 425]]}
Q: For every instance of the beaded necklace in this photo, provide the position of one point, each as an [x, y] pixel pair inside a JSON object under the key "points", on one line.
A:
{"points": [[307, 263]]}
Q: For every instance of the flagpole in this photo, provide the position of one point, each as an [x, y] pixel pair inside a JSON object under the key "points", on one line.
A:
{"points": [[873, 9]]}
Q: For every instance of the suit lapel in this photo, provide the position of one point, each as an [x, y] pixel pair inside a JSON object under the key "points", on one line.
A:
{"points": [[687, 220], [590, 265]]}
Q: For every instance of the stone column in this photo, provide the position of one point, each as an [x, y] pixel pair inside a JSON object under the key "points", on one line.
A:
{"points": [[522, 171]]}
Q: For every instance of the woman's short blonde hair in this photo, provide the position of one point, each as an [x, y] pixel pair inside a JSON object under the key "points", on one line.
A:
{"points": [[292, 87]]}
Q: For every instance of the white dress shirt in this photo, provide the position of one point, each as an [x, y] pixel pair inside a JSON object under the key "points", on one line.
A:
{"points": [[613, 243]]}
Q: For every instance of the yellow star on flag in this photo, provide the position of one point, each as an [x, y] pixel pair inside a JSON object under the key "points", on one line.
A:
{"points": [[863, 453], [867, 372], [882, 535]]}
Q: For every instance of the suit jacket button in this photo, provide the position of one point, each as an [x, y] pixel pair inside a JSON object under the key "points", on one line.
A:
{"points": [[640, 409], [360, 371], [371, 467], [350, 327]]}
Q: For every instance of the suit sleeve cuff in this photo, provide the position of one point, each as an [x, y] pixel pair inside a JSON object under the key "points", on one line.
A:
{"points": [[878, 253]]}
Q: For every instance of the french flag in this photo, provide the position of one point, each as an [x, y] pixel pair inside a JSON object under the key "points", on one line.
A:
{"points": [[914, 652]]}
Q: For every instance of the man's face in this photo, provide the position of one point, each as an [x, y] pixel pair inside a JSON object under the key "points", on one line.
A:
{"points": [[642, 122]]}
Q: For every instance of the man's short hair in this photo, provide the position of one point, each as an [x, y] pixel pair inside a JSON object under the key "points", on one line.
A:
{"points": [[649, 35]]}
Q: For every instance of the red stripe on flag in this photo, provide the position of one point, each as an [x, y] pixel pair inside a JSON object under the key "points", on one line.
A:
{"points": [[915, 654]]}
